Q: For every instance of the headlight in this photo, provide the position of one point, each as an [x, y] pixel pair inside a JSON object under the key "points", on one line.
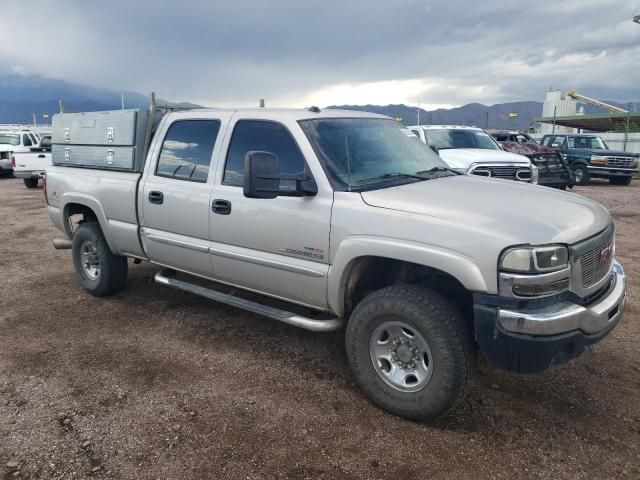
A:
{"points": [[534, 174], [534, 259], [598, 159]]}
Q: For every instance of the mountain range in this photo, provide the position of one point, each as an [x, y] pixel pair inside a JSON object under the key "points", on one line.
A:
{"points": [[494, 116], [23, 96]]}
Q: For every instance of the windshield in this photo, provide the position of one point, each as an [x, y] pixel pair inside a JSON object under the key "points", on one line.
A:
{"points": [[9, 139], [364, 153], [443, 139]]}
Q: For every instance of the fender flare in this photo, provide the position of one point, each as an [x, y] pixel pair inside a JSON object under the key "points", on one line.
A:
{"points": [[458, 265], [89, 202]]}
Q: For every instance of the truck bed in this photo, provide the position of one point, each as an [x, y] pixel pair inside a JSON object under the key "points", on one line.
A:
{"points": [[110, 194]]}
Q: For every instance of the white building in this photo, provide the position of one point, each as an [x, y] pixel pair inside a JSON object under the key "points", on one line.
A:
{"points": [[560, 104]]}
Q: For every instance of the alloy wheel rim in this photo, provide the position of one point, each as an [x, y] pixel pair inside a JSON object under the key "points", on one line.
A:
{"points": [[401, 356], [89, 260]]}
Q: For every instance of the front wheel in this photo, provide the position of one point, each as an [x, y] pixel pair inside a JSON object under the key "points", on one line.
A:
{"points": [[581, 174], [624, 181], [31, 182], [410, 351], [99, 271]]}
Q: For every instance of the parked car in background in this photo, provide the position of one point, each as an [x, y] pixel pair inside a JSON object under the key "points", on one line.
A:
{"points": [[340, 220], [14, 140], [553, 170], [472, 151], [589, 157], [31, 165]]}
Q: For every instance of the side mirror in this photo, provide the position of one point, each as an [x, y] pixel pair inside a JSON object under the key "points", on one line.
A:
{"points": [[261, 175], [262, 178]]}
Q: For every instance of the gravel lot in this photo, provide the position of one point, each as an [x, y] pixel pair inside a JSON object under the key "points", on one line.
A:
{"points": [[156, 383]]}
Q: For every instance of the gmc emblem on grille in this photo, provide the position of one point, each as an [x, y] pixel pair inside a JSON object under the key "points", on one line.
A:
{"points": [[605, 254]]}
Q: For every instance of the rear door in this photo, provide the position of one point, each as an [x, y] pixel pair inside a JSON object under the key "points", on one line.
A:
{"points": [[174, 199], [278, 246]]}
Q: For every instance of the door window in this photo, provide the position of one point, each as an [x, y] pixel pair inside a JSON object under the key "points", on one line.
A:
{"points": [[187, 150], [258, 135], [26, 141]]}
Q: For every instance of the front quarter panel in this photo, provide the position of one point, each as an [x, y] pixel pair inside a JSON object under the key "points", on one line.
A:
{"points": [[360, 230]]}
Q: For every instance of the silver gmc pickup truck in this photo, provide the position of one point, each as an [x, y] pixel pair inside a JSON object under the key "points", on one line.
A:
{"points": [[332, 220]]}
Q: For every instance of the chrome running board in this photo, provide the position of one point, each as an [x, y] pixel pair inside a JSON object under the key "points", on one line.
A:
{"points": [[283, 316]]}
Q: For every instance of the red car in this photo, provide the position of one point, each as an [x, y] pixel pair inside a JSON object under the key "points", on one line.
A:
{"points": [[553, 170]]}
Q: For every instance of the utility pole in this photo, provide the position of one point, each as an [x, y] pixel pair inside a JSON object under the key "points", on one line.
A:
{"points": [[553, 130], [122, 100], [626, 129], [418, 111], [486, 120]]}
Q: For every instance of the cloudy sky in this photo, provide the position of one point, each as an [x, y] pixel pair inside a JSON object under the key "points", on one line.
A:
{"points": [[321, 52]]}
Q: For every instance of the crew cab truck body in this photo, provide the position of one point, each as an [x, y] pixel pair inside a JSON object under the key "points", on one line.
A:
{"points": [[30, 166], [589, 157], [334, 219]]}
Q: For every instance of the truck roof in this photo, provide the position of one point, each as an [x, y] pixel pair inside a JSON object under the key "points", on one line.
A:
{"points": [[293, 113]]}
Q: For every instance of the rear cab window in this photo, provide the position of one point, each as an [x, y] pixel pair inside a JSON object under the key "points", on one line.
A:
{"points": [[187, 150]]}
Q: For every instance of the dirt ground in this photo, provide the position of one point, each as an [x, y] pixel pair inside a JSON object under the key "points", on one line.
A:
{"points": [[157, 383]]}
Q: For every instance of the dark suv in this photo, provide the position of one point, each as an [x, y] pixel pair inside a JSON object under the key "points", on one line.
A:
{"points": [[589, 157], [553, 170]]}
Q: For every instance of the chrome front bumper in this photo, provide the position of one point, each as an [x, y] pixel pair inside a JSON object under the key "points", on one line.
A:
{"points": [[568, 317], [28, 173]]}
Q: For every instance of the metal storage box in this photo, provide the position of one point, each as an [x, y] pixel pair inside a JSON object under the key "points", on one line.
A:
{"points": [[113, 139], [94, 156]]}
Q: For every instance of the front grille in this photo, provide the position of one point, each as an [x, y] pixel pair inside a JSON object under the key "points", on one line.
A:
{"points": [[594, 267], [620, 162], [505, 172]]}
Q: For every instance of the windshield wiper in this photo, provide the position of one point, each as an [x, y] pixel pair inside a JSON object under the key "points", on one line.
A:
{"points": [[439, 169], [392, 175]]}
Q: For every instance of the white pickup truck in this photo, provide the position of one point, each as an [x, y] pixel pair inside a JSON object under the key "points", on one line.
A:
{"points": [[332, 220], [14, 139], [31, 165], [473, 151]]}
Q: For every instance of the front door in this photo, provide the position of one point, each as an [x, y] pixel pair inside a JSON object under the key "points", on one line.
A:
{"points": [[175, 211], [275, 246]]}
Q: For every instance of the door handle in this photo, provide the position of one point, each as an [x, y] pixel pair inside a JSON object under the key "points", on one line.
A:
{"points": [[221, 207], [40, 156], [156, 197]]}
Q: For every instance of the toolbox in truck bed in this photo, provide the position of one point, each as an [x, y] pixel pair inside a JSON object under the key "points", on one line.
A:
{"points": [[110, 140]]}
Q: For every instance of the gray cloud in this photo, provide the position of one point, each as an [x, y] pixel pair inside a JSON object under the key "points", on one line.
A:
{"points": [[296, 52]]}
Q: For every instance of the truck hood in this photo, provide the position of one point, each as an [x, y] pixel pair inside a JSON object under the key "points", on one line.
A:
{"points": [[604, 153], [517, 212], [465, 157]]}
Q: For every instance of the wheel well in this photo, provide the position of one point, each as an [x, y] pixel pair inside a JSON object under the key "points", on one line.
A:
{"points": [[76, 213], [368, 274]]}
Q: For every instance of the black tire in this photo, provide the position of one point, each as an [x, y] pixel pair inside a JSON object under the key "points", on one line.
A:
{"points": [[581, 174], [31, 182], [624, 181], [111, 275], [562, 187], [452, 350]]}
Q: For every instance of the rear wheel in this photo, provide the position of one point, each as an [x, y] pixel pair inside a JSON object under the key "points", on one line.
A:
{"points": [[581, 174], [410, 351], [620, 180], [99, 271], [31, 182]]}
